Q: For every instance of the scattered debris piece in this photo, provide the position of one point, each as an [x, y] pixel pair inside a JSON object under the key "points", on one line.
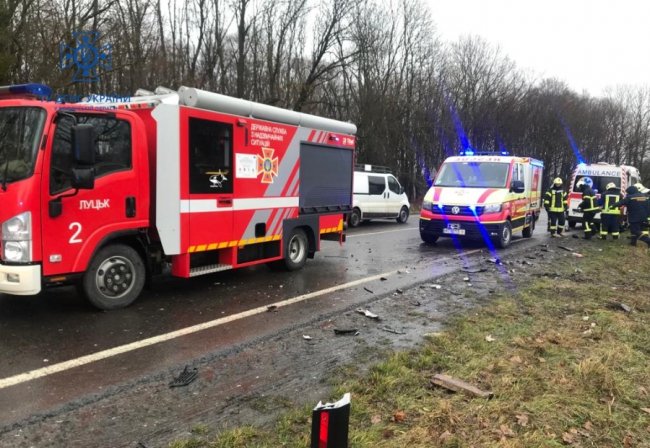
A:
{"points": [[415, 302], [346, 331], [568, 249], [527, 263], [433, 335], [490, 338], [367, 313], [472, 270], [390, 330], [494, 260], [435, 286], [383, 279], [369, 290], [185, 377], [271, 308], [405, 271], [399, 291], [646, 410], [456, 385], [577, 255], [306, 337], [626, 308], [465, 279]]}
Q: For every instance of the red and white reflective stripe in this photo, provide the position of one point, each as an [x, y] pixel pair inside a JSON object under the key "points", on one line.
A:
{"points": [[210, 205]]}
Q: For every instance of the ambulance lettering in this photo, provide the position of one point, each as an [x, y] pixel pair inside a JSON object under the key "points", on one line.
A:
{"points": [[94, 204]]}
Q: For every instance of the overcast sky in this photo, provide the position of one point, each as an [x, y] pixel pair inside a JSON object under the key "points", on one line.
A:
{"points": [[589, 44]]}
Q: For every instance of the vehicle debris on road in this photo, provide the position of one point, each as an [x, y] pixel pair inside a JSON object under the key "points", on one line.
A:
{"points": [[186, 377], [367, 313], [456, 385]]}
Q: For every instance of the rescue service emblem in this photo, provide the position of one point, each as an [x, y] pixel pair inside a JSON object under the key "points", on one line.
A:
{"points": [[267, 165]]}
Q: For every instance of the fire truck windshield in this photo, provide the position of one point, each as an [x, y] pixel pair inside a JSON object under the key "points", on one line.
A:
{"points": [[20, 133], [473, 174]]}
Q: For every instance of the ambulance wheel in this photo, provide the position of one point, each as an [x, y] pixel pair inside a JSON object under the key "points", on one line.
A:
{"points": [[403, 215], [296, 250], [505, 235], [428, 238], [115, 277], [355, 218], [528, 231]]}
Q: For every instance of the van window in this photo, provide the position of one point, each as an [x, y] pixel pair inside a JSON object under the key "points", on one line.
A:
{"points": [[473, 174], [377, 184], [393, 185], [598, 182]]}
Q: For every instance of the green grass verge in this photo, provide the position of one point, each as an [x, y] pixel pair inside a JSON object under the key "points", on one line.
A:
{"points": [[567, 366]]}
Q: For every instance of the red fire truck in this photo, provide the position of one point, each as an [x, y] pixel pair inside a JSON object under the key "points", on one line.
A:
{"points": [[104, 195]]}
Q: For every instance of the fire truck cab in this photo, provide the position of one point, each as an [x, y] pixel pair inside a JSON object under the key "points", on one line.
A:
{"points": [[484, 197], [104, 195]]}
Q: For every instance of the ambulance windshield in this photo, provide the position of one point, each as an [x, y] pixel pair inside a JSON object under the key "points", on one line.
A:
{"points": [[473, 175], [20, 133]]}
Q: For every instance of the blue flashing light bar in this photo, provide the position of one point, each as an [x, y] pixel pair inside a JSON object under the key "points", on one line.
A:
{"points": [[26, 90]]}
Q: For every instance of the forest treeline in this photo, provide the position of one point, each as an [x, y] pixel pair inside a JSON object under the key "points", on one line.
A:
{"points": [[379, 64]]}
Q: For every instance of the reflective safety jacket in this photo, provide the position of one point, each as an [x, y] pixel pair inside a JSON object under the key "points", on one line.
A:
{"points": [[588, 203], [555, 200], [610, 197], [638, 205]]}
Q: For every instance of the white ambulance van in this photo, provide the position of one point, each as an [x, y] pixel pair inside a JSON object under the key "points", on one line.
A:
{"points": [[377, 194], [600, 174], [485, 197]]}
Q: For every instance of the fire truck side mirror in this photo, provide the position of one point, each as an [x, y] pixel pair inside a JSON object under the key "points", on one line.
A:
{"points": [[517, 186], [83, 144], [55, 207], [83, 178]]}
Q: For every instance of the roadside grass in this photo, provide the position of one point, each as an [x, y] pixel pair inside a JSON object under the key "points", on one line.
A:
{"points": [[568, 366]]}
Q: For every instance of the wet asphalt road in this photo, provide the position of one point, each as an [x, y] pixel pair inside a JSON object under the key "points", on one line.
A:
{"points": [[57, 326]]}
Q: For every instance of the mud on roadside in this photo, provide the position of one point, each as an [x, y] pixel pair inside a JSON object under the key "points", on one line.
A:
{"points": [[253, 384]]}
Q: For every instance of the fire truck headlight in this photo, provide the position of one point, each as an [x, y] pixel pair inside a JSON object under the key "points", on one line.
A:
{"points": [[16, 251], [17, 238], [18, 228], [492, 208]]}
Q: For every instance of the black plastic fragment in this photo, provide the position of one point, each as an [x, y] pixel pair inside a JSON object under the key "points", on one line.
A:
{"points": [[185, 378], [352, 331]]}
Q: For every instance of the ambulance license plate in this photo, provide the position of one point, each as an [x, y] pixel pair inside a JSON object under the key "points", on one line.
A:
{"points": [[453, 230]]}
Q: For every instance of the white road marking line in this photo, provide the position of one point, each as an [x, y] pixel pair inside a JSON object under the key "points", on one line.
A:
{"points": [[104, 354], [67, 365]]}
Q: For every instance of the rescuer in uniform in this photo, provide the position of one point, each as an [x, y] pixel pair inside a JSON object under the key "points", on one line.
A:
{"points": [[588, 207], [638, 210], [555, 203], [645, 229], [610, 217]]}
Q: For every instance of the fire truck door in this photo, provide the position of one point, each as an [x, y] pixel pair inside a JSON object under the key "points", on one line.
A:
{"points": [[89, 215], [210, 152]]}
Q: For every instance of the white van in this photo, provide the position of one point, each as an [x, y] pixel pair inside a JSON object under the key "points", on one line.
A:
{"points": [[377, 194]]}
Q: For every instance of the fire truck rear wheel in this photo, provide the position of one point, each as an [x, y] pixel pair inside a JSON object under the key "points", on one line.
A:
{"points": [[295, 255], [114, 278], [505, 235]]}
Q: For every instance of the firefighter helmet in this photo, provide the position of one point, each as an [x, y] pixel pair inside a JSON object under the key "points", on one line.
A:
{"points": [[557, 182], [585, 181], [639, 186], [610, 186]]}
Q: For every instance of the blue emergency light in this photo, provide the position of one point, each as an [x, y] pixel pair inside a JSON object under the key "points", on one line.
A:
{"points": [[26, 90]]}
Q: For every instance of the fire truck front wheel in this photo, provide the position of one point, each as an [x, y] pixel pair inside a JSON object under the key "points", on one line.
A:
{"points": [[295, 255], [114, 278]]}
